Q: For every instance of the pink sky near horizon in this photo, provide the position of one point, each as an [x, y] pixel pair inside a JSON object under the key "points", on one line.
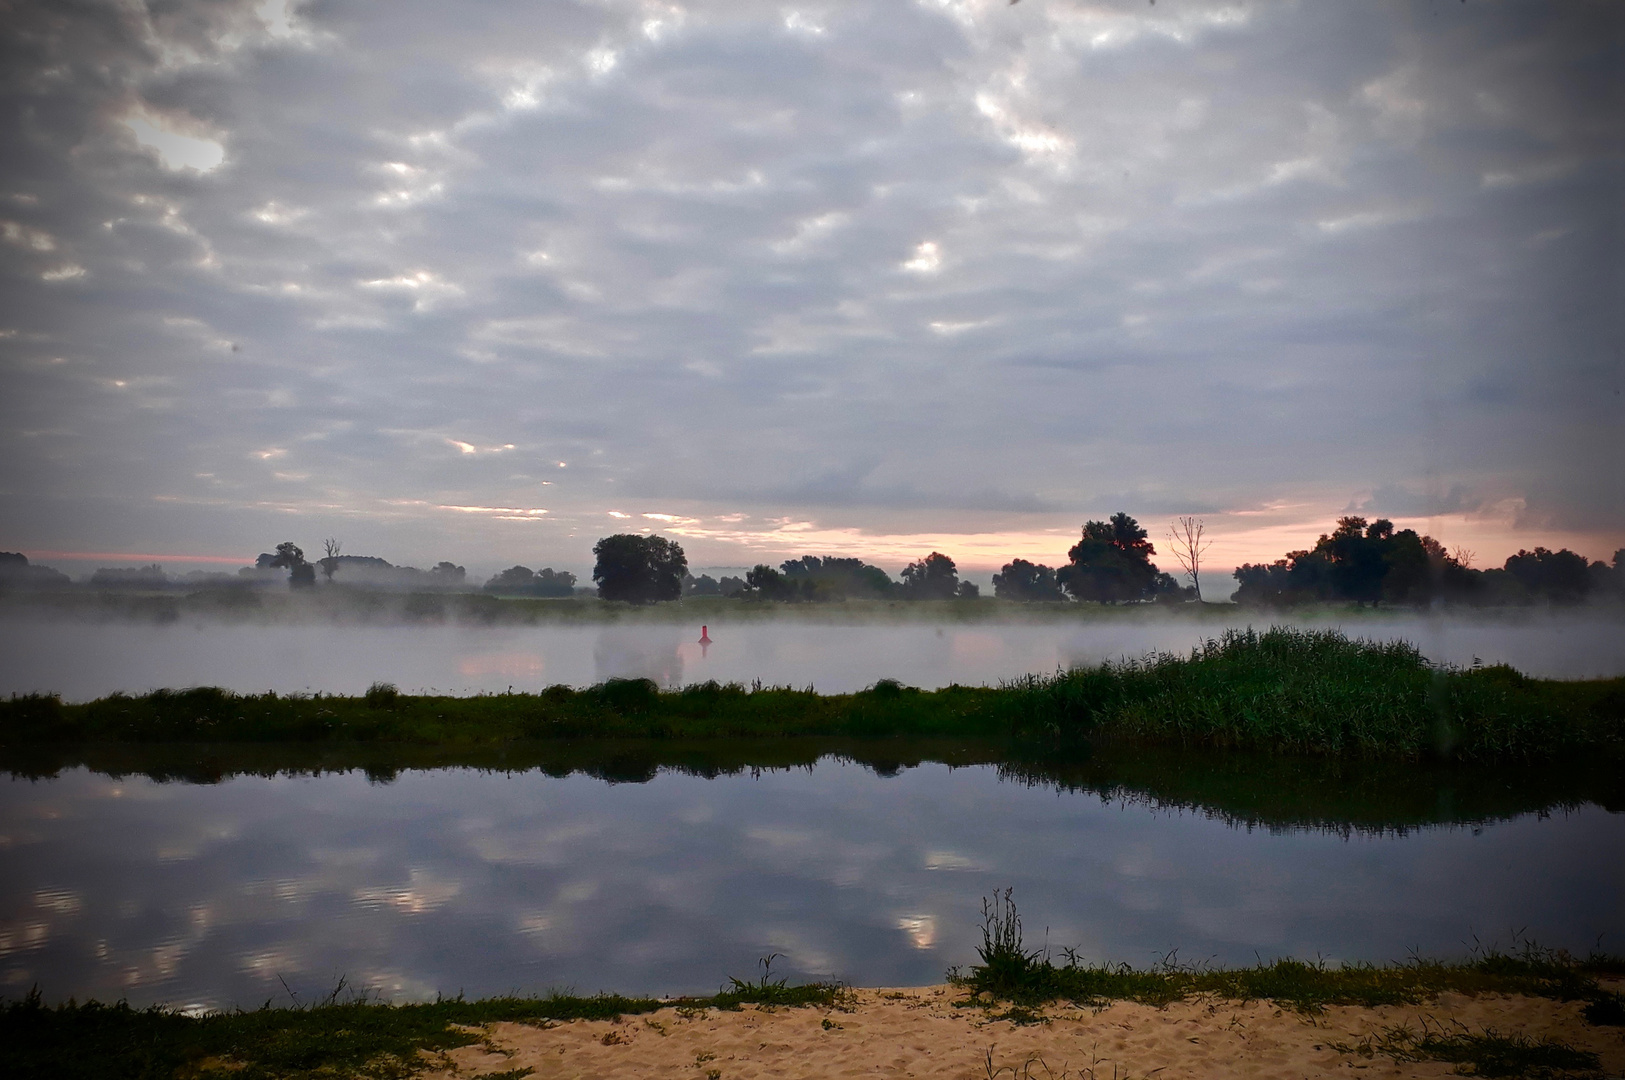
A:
{"points": [[1234, 540]]}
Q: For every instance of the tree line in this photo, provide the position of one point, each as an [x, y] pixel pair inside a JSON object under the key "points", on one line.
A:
{"points": [[1369, 562], [1362, 562]]}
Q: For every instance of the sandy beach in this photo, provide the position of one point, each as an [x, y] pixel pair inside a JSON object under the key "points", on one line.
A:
{"points": [[919, 1032]]}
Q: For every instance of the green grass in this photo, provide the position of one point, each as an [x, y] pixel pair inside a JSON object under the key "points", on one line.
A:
{"points": [[1485, 1053], [333, 1038], [1284, 691], [1025, 979]]}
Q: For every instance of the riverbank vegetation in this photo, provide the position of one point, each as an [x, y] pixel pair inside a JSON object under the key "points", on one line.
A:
{"points": [[1010, 973], [343, 1035], [357, 1035], [1283, 691]]}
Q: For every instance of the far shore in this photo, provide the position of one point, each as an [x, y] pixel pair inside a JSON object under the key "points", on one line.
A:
{"points": [[366, 606]]}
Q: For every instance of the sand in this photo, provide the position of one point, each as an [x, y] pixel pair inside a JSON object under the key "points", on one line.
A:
{"points": [[919, 1032]]}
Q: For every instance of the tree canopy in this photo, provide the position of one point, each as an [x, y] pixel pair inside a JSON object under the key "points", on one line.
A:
{"points": [[639, 569], [1373, 563], [1111, 563], [934, 577], [522, 581], [1027, 582]]}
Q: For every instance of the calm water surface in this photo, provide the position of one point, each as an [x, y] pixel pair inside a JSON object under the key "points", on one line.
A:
{"points": [[454, 880]]}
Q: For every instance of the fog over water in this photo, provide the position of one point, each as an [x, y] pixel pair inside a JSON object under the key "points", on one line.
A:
{"points": [[83, 660]]}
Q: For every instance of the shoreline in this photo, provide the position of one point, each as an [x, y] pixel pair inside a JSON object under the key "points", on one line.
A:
{"points": [[1548, 1016], [918, 1031]]}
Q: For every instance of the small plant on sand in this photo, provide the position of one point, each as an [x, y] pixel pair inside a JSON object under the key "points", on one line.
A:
{"points": [[1007, 970], [768, 992], [1485, 1053]]}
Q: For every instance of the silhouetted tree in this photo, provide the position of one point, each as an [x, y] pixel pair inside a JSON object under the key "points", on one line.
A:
{"points": [[934, 577], [1368, 563], [762, 582], [639, 569], [448, 573], [301, 575], [968, 590], [832, 578], [1562, 577], [520, 581], [1111, 563], [17, 572], [1021, 580], [1185, 538], [704, 585], [330, 557]]}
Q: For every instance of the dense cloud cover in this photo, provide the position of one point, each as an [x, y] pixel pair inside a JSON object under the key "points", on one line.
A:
{"points": [[490, 280]]}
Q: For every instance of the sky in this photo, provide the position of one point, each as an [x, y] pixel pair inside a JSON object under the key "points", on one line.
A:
{"points": [[488, 281]]}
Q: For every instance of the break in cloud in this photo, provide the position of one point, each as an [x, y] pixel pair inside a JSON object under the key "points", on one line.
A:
{"points": [[488, 281]]}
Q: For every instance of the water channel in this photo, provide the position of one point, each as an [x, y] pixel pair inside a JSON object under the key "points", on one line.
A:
{"points": [[219, 876]]}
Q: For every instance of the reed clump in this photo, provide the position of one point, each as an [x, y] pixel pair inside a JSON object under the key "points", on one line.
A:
{"points": [[1284, 691], [1012, 976], [1319, 692]]}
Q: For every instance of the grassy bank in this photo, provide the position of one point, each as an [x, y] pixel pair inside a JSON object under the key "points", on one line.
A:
{"points": [[1310, 692], [1011, 974], [1284, 691], [343, 1037]]}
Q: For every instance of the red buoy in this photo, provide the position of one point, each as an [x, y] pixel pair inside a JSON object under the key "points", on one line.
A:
{"points": [[705, 637]]}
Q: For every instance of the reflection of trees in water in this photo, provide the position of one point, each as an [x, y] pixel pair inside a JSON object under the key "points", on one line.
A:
{"points": [[1285, 794], [1242, 790], [624, 654]]}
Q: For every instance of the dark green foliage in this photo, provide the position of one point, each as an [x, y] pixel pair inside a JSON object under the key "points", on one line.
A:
{"points": [[354, 1037], [1026, 582], [934, 577], [1562, 577], [1111, 563], [1283, 691], [1318, 692], [522, 581], [1371, 563], [762, 582], [833, 578], [639, 569]]}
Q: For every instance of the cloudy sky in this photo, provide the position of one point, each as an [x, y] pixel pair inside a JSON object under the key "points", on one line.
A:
{"points": [[486, 281]]}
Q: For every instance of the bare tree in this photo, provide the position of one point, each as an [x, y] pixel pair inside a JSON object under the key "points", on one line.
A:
{"points": [[330, 564], [1185, 537]]}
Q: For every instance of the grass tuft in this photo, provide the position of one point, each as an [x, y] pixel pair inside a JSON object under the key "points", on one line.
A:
{"points": [[1008, 972], [1486, 1053]]}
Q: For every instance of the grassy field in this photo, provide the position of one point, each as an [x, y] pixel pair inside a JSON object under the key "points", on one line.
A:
{"points": [[1284, 691]]}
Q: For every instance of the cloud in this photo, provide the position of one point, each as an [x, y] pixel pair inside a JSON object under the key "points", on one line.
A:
{"points": [[884, 268]]}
